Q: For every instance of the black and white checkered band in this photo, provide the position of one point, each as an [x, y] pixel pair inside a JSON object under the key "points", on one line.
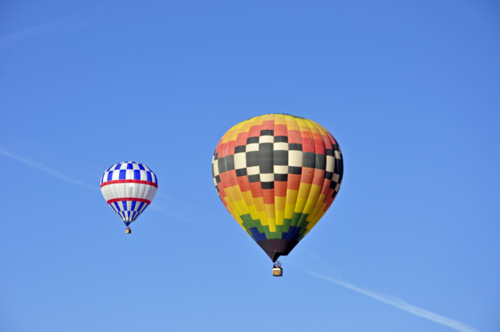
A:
{"points": [[269, 158]]}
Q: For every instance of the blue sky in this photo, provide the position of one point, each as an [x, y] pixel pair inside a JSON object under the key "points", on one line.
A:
{"points": [[410, 91]]}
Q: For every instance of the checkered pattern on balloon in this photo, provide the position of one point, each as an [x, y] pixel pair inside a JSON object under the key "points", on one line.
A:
{"points": [[129, 187], [277, 175]]}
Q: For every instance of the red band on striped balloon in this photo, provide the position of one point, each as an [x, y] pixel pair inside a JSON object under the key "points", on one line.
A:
{"points": [[129, 181], [129, 199]]}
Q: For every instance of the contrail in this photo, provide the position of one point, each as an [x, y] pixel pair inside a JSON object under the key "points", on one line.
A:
{"points": [[34, 30], [60, 25], [180, 210], [174, 208], [400, 304], [45, 169]]}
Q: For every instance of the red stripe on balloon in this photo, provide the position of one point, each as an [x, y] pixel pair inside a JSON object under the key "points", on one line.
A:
{"points": [[129, 181], [129, 199]]}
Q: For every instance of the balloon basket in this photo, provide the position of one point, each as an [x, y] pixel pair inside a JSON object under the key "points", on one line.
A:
{"points": [[128, 230], [277, 270]]}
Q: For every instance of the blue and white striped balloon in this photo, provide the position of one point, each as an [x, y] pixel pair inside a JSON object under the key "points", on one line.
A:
{"points": [[129, 187]]}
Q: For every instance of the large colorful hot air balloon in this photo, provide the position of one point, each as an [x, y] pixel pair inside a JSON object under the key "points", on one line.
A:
{"points": [[129, 187], [277, 175]]}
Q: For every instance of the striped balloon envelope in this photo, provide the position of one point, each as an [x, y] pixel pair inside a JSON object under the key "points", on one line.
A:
{"points": [[129, 187], [277, 175]]}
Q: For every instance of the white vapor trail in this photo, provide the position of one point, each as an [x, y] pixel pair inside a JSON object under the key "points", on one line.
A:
{"points": [[45, 169], [174, 208], [31, 31], [180, 210], [400, 304], [59, 25]]}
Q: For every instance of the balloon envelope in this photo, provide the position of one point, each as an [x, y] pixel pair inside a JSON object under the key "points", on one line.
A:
{"points": [[277, 175], [129, 187]]}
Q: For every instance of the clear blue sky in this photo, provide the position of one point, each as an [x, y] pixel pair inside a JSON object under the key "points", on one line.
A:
{"points": [[411, 90]]}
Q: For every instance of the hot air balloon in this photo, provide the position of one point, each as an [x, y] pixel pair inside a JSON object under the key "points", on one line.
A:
{"points": [[277, 175], [129, 187]]}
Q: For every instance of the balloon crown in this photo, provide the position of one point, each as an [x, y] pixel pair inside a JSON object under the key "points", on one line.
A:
{"points": [[295, 116]]}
